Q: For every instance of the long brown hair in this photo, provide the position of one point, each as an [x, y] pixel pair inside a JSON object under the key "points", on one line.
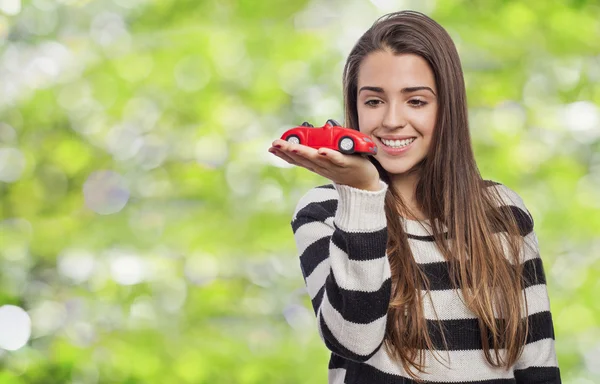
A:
{"points": [[451, 193]]}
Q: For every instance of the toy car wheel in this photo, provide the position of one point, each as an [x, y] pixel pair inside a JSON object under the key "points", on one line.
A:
{"points": [[346, 145], [293, 139]]}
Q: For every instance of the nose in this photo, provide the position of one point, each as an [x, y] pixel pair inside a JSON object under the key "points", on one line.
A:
{"points": [[393, 117]]}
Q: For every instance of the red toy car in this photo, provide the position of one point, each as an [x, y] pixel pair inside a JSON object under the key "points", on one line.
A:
{"points": [[332, 136]]}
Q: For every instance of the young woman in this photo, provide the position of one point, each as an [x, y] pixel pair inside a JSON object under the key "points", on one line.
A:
{"points": [[418, 270]]}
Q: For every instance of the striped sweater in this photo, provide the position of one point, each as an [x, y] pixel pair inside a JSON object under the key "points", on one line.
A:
{"points": [[341, 237]]}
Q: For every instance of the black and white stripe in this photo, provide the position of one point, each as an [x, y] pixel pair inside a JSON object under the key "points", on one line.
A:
{"points": [[341, 236]]}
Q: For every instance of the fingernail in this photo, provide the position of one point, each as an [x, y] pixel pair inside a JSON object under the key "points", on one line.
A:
{"points": [[323, 154], [277, 145], [294, 151]]}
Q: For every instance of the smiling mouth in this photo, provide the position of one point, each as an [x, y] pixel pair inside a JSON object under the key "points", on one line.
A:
{"points": [[397, 143]]}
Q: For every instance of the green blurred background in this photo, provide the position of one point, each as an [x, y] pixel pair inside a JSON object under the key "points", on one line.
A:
{"points": [[144, 227]]}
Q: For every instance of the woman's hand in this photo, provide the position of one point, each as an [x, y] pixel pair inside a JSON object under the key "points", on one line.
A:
{"points": [[352, 170]]}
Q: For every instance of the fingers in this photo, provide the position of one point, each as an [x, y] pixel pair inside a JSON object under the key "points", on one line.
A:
{"points": [[299, 161], [334, 157], [282, 155], [344, 169], [305, 157], [323, 157], [307, 161]]}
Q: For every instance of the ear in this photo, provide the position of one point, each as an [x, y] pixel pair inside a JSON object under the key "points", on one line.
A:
{"points": [[333, 123]]}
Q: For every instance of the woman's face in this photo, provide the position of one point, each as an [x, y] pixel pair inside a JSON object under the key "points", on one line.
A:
{"points": [[397, 107]]}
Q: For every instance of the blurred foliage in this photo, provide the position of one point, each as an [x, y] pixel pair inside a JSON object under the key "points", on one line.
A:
{"points": [[144, 228]]}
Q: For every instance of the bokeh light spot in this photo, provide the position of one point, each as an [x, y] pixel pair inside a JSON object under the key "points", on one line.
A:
{"points": [[10, 7], [76, 264], [211, 150], [201, 269], [7, 134], [105, 192], [124, 141], [583, 119], [192, 73], [47, 317], [12, 164], [298, 317], [107, 27], [127, 268], [15, 327]]}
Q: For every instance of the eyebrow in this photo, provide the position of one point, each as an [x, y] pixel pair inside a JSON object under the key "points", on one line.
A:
{"points": [[403, 90]]}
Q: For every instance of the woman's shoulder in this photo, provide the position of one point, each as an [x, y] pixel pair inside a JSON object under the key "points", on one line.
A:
{"points": [[507, 198], [507, 195], [319, 202]]}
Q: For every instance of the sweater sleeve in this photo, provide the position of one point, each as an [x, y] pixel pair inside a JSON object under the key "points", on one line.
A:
{"points": [[341, 237], [538, 363]]}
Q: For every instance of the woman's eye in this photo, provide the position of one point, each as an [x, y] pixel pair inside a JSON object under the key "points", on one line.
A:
{"points": [[416, 102], [372, 103]]}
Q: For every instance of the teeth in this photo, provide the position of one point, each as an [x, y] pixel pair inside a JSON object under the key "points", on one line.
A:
{"points": [[397, 143]]}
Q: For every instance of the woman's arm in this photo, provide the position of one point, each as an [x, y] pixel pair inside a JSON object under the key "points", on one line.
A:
{"points": [[341, 237], [538, 362]]}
